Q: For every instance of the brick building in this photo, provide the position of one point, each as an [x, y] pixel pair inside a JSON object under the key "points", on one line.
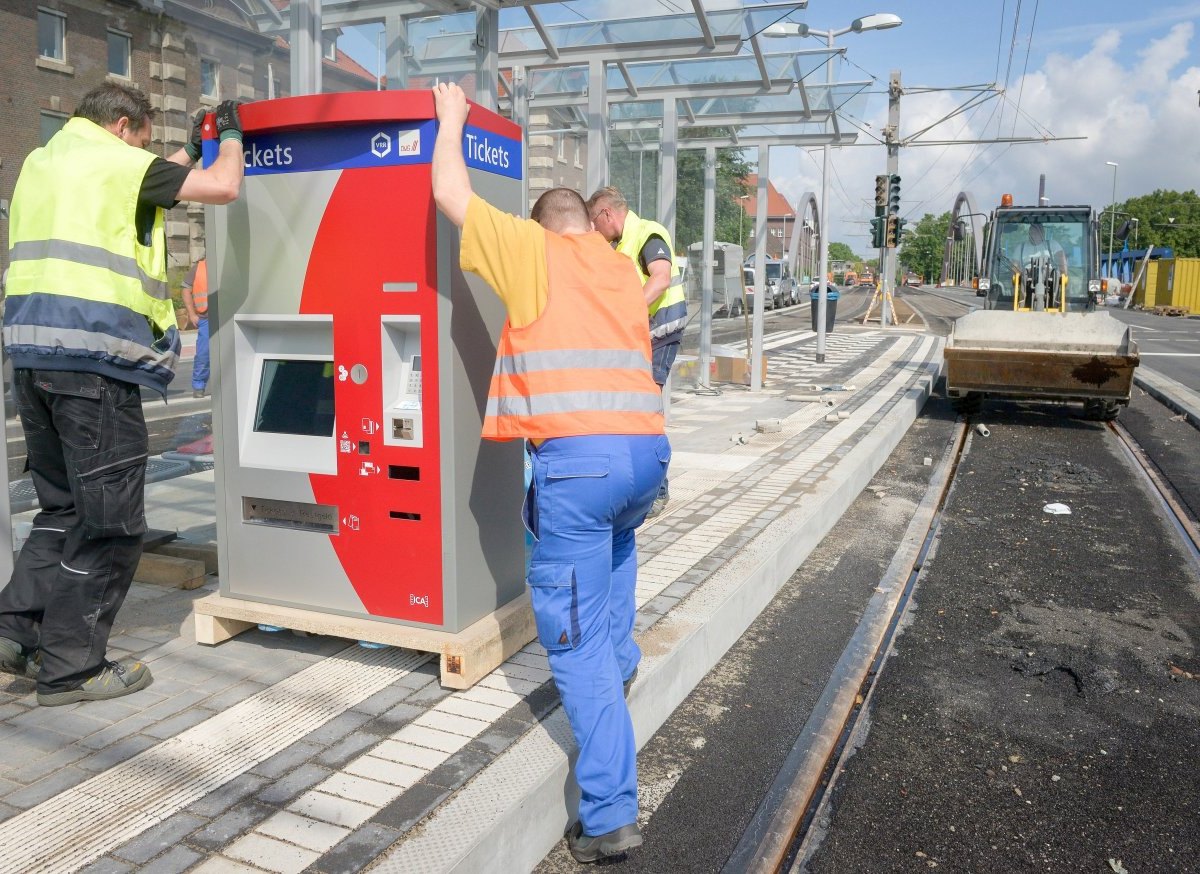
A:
{"points": [[780, 215]]}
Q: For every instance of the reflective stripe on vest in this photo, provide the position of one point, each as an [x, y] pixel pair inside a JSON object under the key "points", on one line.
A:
{"points": [[668, 314], [583, 366], [200, 287], [78, 264]]}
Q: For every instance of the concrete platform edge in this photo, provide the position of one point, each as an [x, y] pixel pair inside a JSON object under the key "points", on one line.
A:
{"points": [[519, 836], [1167, 391]]}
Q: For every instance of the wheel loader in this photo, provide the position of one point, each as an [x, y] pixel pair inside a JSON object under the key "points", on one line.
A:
{"points": [[1039, 335]]}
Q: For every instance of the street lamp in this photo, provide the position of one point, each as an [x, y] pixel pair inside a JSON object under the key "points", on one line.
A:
{"points": [[877, 21], [1112, 219]]}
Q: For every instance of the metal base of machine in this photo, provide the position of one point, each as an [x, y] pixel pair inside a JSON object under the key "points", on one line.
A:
{"points": [[466, 657]]}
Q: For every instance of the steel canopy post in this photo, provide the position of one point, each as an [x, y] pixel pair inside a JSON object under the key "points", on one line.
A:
{"points": [[487, 57], [760, 271], [597, 119], [395, 28], [669, 151], [305, 37], [706, 288]]}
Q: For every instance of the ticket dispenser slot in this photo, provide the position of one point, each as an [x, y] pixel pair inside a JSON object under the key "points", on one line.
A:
{"points": [[402, 382]]}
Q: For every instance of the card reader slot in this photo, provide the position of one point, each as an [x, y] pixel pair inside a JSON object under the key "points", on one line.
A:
{"points": [[410, 517], [402, 471]]}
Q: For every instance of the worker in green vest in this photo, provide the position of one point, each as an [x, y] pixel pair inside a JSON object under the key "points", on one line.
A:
{"points": [[648, 245], [88, 322]]}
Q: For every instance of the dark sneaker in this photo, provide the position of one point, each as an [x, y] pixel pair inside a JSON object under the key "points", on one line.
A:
{"points": [[12, 658], [586, 848], [628, 684], [114, 680]]}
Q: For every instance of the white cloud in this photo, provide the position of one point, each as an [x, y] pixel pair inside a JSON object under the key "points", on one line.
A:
{"points": [[1137, 108]]}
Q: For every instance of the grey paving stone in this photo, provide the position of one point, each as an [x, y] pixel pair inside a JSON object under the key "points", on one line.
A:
{"points": [[7, 810], [113, 754], [222, 799], [337, 728], [107, 865], [272, 675], [357, 850], [158, 838], [117, 709], [177, 860], [383, 700], [182, 671], [678, 590], [234, 694], [181, 699], [347, 749], [11, 709], [230, 825], [411, 807], [534, 706], [644, 621], [39, 768], [287, 759], [177, 723], [428, 695], [47, 787], [288, 786], [460, 767], [394, 719], [118, 731], [501, 735]]}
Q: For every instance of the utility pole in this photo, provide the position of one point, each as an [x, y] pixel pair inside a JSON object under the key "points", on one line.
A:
{"points": [[891, 136]]}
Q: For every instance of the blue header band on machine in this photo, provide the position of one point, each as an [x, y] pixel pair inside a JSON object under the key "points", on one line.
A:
{"points": [[375, 145]]}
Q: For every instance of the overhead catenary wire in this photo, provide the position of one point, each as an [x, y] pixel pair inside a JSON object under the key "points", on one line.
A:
{"points": [[1025, 69]]}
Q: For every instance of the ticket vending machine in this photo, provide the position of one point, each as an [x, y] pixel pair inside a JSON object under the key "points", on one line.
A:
{"points": [[351, 363]]}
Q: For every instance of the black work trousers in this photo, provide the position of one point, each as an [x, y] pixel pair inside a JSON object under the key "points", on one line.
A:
{"points": [[86, 440]]}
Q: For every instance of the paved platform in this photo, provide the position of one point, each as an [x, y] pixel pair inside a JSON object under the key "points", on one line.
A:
{"points": [[284, 752]]}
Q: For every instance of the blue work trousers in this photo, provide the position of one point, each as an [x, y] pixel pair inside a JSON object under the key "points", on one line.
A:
{"points": [[587, 496], [200, 364]]}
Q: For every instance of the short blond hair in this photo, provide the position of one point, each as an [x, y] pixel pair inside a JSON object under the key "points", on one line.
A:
{"points": [[611, 195]]}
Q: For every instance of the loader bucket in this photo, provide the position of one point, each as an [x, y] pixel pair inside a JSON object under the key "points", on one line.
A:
{"points": [[1059, 356]]}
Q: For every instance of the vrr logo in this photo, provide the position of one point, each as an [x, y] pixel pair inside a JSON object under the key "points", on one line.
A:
{"points": [[381, 145]]}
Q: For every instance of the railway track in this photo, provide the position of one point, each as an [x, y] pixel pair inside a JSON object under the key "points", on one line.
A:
{"points": [[781, 835]]}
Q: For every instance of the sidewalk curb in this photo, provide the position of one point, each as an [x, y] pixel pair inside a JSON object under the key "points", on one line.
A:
{"points": [[516, 811], [1167, 391]]}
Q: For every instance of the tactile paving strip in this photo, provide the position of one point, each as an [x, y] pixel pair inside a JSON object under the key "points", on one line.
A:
{"points": [[81, 824]]}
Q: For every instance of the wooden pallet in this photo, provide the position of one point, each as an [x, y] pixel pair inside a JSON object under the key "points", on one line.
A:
{"points": [[1170, 311], [466, 657]]}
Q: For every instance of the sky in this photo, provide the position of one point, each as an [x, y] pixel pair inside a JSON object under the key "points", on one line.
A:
{"points": [[1124, 77]]}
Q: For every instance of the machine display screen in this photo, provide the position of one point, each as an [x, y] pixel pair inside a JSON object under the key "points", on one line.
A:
{"points": [[295, 397]]}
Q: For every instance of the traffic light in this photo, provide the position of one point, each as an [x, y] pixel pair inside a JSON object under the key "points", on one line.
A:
{"points": [[877, 231], [900, 223], [881, 189], [893, 195], [891, 232]]}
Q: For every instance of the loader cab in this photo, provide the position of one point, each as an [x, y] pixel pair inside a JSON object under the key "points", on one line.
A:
{"points": [[1040, 259]]}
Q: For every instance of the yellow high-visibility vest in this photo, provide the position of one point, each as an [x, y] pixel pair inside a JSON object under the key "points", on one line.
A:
{"points": [[82, 291]]}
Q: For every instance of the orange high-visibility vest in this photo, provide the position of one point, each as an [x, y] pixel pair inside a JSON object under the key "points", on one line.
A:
{"points": [[200, 287], [583, 366]]}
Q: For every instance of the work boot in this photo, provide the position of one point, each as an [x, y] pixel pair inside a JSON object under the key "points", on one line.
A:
{"points": [[660, 504], [197, 392], [114, 680], [14, 660], [586, 848]]}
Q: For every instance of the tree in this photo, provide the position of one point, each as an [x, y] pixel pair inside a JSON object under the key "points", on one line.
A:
{"points": [[1165, 218], [730, 225], [842, 252], [924, 245]]}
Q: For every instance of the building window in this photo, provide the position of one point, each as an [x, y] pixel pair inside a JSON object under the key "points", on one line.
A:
{"points": [[52, 35], [209, 79], [329, 45], [577, 152], [118, 53], [50, 124], [561, 139]]}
